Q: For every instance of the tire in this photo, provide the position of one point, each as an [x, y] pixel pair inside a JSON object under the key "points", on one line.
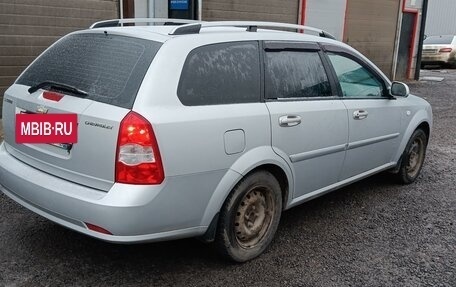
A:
{"points": [[413, 157], [249, 217]]}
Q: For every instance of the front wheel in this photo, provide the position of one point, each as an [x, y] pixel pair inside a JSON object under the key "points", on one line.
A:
{"points": [[249, 217], [413, 157]]}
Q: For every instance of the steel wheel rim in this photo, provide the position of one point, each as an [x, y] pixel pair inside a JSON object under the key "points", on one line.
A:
{"points": [[254, 216], [415, 157]]}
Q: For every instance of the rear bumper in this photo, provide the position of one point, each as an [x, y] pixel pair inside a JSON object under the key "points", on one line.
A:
{"points": [[437, 59], [80, 227], [174, 209]]}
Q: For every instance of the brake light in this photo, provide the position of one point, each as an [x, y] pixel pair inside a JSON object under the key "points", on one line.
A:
{"points": [[446, 50], [52, 96], [138, 157]]}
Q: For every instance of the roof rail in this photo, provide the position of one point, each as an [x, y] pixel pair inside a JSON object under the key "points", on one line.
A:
{"points": [[251, 26], [120, 22]]}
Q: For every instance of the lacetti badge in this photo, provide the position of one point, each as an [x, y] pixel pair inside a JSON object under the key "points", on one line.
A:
{"points": [[47, 128]]}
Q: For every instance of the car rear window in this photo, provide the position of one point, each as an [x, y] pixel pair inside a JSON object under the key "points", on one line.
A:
{"points": [[438, 40], [110, 68]]}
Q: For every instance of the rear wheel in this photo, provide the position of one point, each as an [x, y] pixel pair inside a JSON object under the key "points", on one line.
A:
{"points": [[249, 217], [413, 157]]}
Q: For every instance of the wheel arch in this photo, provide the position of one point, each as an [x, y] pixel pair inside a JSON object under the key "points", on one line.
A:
{"points": [[425, 127], [420, 120], [281, 177], [260, 158]]}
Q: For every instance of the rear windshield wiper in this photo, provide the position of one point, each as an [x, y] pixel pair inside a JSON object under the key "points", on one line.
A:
{"points": [[59, 87]]}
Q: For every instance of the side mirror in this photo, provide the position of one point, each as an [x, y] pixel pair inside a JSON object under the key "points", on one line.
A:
{"points": [[399, 89]]}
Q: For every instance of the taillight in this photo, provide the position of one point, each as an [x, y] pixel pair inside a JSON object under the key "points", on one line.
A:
{"points": [[445, 50], [138, 157]]}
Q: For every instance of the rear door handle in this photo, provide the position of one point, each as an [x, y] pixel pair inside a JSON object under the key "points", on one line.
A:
{"points": [[289, 121], [360, 114]]}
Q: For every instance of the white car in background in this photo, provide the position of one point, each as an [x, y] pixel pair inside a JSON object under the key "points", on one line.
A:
{"points": [[439, 51]]}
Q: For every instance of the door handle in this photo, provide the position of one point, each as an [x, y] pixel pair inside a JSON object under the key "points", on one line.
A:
{"points": [[289, 121], [360, 115]]}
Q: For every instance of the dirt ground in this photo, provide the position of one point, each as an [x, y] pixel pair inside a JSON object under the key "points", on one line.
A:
{"points": [[371, 233]]}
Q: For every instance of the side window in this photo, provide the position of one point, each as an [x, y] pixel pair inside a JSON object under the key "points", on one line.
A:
{"points": [[295, 74], [355, 80], [225, 73]]}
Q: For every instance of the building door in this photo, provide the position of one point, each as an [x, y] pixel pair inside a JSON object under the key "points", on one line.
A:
{"points": [[370, 27], [251, 10]]}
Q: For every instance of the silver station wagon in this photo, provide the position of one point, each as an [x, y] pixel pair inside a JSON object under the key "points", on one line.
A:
{"points": [[206, 129]]}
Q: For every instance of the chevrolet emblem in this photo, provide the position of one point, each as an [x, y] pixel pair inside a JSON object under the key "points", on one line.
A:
{"points": [[41, 110]]}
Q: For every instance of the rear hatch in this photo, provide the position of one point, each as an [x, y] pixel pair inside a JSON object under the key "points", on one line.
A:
{"points": [[109, 69], [433, 45]]}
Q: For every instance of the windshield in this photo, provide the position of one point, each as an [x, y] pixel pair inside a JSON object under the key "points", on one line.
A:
{"points": [[110, 68], [438, 40]]}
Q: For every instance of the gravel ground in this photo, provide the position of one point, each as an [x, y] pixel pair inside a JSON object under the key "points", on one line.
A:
{"points": [[372, 233]]}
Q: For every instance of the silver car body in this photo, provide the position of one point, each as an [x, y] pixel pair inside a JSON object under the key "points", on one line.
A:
{"points": [[206, 150]]}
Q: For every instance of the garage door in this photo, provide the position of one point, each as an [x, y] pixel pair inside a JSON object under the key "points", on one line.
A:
{"points": [[254, 10], [370, 27], [27, 27]]}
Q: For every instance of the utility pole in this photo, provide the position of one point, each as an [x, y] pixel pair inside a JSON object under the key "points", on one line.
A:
{"points": [[421, 39]]}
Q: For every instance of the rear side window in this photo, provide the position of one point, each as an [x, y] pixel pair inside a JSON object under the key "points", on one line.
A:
{"points": [[225, 73], [110, 68], [295, 74]]}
